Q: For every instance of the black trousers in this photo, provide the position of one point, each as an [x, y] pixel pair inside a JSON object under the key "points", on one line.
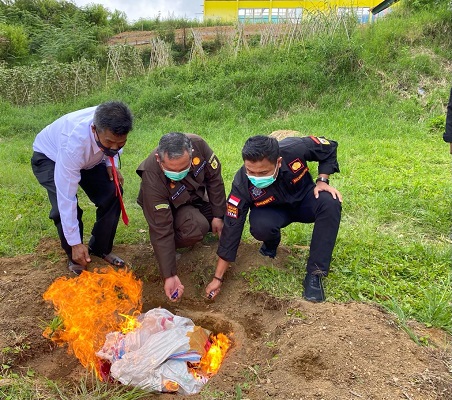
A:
{"points": [[96, 183], [324, 212]]}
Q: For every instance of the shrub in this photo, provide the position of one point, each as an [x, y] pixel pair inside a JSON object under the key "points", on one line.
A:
{"points": [[13, 43], [47, 82]]}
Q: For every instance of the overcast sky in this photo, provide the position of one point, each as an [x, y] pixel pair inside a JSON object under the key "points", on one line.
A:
{"points": [[148, 9]]}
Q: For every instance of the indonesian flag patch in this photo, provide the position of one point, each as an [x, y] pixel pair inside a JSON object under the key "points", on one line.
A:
{"points": [[234, 200]]}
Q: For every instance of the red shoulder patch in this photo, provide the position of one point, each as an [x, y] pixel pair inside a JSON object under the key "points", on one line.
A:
{"points": [[315, 140]]}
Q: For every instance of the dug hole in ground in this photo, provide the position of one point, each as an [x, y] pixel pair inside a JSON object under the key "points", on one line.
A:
{"points": [[280, 349]]}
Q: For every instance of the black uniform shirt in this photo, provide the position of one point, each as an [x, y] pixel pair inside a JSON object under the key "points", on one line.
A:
{"points": [[291, 186], [448, 134]]}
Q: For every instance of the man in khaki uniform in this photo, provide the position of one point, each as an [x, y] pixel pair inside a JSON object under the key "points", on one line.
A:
{"points": [[183, 197]]}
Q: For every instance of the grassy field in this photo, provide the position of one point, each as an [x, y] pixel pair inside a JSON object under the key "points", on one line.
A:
{"points": [[380, 91]]}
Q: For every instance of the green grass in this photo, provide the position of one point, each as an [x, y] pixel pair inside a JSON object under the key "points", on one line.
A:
{"points": [[32, 388], [394, 243]]}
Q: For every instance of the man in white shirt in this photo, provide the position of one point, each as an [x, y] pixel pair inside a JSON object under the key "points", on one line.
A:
{"points": [[78, 149]]}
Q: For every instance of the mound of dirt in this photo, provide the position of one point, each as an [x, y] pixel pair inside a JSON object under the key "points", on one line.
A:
{"points": [[281, 349]]}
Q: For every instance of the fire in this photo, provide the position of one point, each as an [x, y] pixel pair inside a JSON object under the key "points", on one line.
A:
{"points": [[211, 361], [130, 322], [91, 306], [99, 317]]}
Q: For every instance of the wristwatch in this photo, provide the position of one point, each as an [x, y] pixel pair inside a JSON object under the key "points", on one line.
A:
{"points": [[322, 179]]}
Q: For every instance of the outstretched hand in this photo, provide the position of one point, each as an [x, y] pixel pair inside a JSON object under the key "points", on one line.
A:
{"points": [[213, 288], [173, 288], [80, 254]]}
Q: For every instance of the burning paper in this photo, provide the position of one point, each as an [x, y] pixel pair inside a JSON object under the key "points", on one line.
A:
{"points": [[156, 351]]}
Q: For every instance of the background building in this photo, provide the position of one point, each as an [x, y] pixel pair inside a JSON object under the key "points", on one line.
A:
{"points": [[265, 11]]}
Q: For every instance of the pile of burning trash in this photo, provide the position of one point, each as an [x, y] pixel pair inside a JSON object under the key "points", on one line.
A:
{"points": [[103, 326]]}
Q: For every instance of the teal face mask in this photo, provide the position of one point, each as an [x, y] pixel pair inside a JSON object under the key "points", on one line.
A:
{"points": [[176, 176], [262, 182]]}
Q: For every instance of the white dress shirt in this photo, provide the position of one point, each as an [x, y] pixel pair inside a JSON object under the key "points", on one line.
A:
{"points": [[70, 143]]}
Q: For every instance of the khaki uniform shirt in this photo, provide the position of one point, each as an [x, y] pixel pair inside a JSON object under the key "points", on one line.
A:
{"points": [[159, 195]]}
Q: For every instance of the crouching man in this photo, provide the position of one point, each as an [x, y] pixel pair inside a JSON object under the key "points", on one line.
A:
{"points": [[275, 186], [183, 198]]}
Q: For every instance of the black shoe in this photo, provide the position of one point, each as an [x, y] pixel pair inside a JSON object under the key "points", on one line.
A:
{"points": [[77, 269], [313, 287], [266, 252]]}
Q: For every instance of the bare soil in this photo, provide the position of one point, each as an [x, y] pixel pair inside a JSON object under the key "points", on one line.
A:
{"points": [[281, 349], [185, 35]]}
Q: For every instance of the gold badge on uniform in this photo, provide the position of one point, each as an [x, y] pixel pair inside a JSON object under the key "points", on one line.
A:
{"points": [[296, 165], [214, 164], [196, 161], [172, 185]]}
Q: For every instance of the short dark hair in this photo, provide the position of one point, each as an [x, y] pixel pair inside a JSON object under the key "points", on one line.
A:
{"points": [[114, 116], [174, 145], [258, 147]]}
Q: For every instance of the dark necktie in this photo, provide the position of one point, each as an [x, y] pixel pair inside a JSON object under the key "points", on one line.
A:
{"points": [[125, 218]]}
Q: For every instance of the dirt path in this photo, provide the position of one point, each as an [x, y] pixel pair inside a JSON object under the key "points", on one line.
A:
{"points": [[205, 34]]}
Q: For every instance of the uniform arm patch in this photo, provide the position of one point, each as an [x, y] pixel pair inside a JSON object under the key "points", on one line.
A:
{"points": [[234, 200], [315, 140], [162, 206], [232, 211]]}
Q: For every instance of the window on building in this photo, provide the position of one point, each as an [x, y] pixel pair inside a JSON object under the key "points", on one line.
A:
{"points": [[278, 15], [253, 15], [361, 13], [286, 14]]}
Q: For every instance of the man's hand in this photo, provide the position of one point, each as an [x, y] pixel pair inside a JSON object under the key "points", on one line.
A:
{"points": [[324, 187], [217, 226], [173, 288], [120, 177], [80, 254], [213, 288]]}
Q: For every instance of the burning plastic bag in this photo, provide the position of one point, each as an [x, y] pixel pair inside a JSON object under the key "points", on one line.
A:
{"points": [[154, 355]]}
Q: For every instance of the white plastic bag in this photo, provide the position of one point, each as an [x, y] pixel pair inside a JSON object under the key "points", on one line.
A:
{"points": [[154, 355]]}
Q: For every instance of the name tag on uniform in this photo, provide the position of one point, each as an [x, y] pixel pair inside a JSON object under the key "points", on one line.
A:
{"points": [[179, 191]]}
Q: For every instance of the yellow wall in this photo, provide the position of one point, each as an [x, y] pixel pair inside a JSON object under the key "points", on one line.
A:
{"points": [[227, 10]]}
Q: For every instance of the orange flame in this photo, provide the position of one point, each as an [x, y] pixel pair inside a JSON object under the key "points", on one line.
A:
{"points": [[91, 306], [211, 361]]}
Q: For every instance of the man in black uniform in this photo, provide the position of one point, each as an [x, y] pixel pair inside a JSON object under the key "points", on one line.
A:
{"points": [[447, 136], [275, 185], [182, 195], [448, 133]]}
